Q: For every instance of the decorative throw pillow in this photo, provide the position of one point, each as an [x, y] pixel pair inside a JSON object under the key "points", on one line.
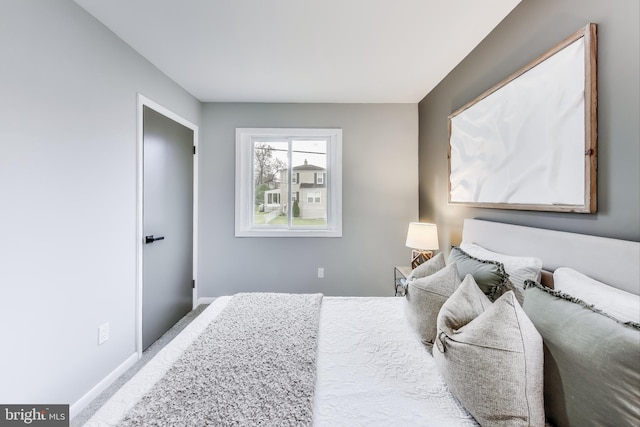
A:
{"points": [[427, 268], [519, 268], [489, 275], [491, 357], [592, 367], [623, 305], [424, 298]]}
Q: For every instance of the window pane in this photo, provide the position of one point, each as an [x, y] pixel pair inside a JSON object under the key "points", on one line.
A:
{"points": [[270, 164], [309, 165], [288, 182]]}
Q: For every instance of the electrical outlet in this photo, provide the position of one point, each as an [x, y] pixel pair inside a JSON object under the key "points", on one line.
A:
{"points": [[103, 333], [320, 273]]}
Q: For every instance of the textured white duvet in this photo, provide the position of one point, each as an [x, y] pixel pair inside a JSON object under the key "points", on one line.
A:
{"points": [[372, 370]]}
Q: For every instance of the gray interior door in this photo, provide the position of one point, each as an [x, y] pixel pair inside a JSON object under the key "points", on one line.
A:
{"points": [[167, 224]]}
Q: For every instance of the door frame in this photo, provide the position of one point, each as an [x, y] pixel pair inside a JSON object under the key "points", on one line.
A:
{"points": [[143, 101]]}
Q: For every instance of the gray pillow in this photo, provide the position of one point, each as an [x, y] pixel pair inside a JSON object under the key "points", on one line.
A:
{"points": [[490, 275], [592, 360], [519, 268], [424, 298], [427, 268], [490, 356]]}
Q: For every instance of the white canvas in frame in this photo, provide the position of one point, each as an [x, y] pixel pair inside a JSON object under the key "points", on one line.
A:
{"points": [[529, 142]]}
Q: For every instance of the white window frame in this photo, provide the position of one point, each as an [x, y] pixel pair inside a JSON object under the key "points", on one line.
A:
{"points": [[320, 178], [314, 197], [271, 197], [244, 203]]}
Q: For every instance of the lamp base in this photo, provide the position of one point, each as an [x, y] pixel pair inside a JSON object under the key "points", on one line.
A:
{"points": [[418, 257]]}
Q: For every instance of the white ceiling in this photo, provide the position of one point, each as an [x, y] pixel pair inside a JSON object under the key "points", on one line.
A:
{"points": [[343, 51]]}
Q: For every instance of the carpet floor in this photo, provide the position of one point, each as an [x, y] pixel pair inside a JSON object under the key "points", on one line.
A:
{"points": [[147, 355]]}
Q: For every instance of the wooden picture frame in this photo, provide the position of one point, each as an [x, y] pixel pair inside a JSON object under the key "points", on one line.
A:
{"points": [[530, 141]]}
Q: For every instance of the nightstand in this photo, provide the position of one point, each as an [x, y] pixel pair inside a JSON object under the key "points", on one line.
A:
{"points": [[400, 274]]}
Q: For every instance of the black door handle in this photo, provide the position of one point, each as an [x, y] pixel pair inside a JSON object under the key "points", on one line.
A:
{"points": [[151, 239]]}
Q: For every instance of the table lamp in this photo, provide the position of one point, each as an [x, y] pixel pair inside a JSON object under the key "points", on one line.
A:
{"points": [[423, 239]]}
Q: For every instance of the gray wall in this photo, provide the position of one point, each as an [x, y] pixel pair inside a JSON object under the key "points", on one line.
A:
{"points": [[68, 197], [531, 29], [380, 186]]}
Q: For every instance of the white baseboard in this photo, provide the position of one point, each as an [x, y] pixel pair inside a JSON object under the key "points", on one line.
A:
{"points": [[205, 300], [85, 400]]}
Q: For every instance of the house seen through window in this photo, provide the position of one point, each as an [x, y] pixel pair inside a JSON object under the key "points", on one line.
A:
{"points": [[289, 182]]}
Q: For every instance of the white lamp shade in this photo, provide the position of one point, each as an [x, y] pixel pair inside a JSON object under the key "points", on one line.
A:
{"points": [[422, 236]]}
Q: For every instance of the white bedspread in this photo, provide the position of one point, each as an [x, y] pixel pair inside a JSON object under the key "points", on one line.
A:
{"points": [[372, 370]]}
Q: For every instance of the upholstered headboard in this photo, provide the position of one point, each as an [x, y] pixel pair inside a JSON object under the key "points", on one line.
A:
{"points": [[611, 261]]}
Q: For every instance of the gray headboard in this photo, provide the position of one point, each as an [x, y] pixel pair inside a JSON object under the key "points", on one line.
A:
{"points": [[611, 261]]}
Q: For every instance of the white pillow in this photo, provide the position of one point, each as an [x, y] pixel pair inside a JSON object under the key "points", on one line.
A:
{"points": [[620, 304], [518, 268]]}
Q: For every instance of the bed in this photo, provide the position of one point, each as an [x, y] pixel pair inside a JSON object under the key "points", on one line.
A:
{"points": [[357, 361]]}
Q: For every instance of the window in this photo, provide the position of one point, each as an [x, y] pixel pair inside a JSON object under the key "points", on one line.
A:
{"points": [[313, 197], [273, 198], [274, 166]]}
